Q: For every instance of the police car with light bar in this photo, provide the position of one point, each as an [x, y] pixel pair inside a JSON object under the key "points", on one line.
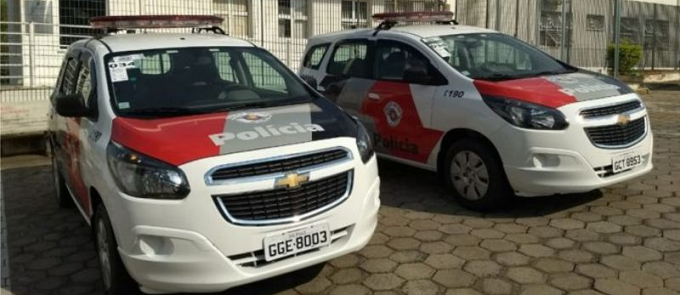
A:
{"points": [[492, 114], [201, 162]]}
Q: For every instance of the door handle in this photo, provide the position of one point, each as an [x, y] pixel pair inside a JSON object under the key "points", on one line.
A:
{"points": [[373, 96]]}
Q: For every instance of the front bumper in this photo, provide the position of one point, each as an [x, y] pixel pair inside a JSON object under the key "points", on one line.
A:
{"points": [[189, 246], [539, 163]]}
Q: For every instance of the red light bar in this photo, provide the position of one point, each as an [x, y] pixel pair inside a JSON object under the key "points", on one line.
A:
{"points": [[154, 21], [416, 16]]}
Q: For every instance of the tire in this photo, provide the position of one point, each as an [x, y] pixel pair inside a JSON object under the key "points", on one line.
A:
{"points": [[482, 189], [116, 279], [61, 192]]}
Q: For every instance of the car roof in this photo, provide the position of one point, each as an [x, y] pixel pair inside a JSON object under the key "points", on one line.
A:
{"points": [[143, 41], [417, 31]]}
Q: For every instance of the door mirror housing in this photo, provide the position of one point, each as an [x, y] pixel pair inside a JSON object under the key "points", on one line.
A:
{"points": [[418, 75], [72, 105]]}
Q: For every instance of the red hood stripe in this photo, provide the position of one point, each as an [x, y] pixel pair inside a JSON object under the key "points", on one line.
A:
{"points": [[177, 140], [534, 90]]}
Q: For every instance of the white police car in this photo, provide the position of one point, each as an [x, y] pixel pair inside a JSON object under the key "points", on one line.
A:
{"points": [[492, 114], [201, 162]]}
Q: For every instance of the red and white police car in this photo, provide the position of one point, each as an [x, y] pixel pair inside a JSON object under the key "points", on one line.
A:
{"points": [[491, 113], [202, 162]]}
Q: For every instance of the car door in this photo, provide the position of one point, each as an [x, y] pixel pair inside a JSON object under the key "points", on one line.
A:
{"points": [[398, 106], [68, 139], [346, 79], [310, 71]]}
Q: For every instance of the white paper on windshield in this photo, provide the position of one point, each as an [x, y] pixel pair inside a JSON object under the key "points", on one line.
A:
{"points": [[123, 105], [118, 74], [128, 58], [438, 45]]}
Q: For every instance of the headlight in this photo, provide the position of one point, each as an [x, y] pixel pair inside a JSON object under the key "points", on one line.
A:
{"points": [[141, 176], [364, 143], [527, 115]]}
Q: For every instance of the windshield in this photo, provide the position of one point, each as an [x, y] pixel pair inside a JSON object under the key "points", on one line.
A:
{"points": [[168, 82], [494, 57]]}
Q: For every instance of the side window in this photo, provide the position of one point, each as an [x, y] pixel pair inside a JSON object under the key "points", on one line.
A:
{"points": [[69, 80], [263, 74], [315, 56], [393, 58], [85, 84], [349, 59]]}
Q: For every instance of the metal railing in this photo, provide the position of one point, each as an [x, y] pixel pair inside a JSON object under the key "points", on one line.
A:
{"points": [[579, 31], [31, 52]]}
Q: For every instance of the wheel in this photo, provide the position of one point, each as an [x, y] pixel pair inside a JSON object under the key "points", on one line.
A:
{"points": [[61, 192], [475, 175], [115, 277]]}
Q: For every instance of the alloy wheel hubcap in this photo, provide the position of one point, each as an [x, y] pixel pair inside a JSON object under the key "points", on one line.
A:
{"points": [[103, 251], [469, 175]]}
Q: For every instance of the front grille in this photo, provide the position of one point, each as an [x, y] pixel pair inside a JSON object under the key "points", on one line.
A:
{"points": [[611, 110], [617, 135], [279, 166], [275, 206]]}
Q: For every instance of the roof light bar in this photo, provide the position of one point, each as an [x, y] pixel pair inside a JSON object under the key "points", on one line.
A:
{"points": [[416, 16], [154, 21]]}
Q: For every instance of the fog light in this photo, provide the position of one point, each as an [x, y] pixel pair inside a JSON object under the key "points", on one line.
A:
{"points": [[546, 160], [155, 245]]}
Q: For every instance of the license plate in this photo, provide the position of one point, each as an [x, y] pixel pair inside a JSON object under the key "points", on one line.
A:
{"points": [[626, 161], [292, 242]]}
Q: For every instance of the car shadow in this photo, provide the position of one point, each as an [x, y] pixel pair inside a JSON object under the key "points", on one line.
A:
{"points": [[416, 189]]}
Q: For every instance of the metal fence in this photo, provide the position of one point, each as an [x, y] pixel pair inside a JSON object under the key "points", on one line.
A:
{"points": [[579, 31], [35, 35]]}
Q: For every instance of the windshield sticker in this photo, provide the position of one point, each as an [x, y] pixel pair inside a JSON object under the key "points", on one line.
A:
{"points": [[118, 74], [123, 105], [438, 45], [127, 58]]}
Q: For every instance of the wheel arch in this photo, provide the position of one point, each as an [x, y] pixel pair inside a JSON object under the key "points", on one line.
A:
{"points": [[95, 200], [454, 135]]}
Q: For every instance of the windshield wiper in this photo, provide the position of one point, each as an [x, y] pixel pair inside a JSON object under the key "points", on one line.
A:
{"points": [[164, 111], [497, 77], [263, 104]]}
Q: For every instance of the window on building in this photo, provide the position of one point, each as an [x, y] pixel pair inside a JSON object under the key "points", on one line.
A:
{"points": [[408, 6], [551, 28], [630, 29], [595, 22], [293, 18], [657, 34], [76, 13], [354, 14], [236, 16]]}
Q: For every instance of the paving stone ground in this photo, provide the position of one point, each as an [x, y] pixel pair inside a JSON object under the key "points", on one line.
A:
{"points": [[624, 239]]}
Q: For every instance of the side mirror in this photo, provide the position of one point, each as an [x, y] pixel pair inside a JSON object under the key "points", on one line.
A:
{"points": [[72, 105], [417, 75], [309, 80]]}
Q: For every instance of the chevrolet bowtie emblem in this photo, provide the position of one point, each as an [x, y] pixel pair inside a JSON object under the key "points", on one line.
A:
{"points": [[292, 180], [622, 120]]}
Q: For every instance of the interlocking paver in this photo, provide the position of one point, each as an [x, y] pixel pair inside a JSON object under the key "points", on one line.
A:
{"points": [[623, 240]]}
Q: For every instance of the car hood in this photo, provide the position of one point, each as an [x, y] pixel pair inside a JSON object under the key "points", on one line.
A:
{"points": [[555, 90], [179, 140]]}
